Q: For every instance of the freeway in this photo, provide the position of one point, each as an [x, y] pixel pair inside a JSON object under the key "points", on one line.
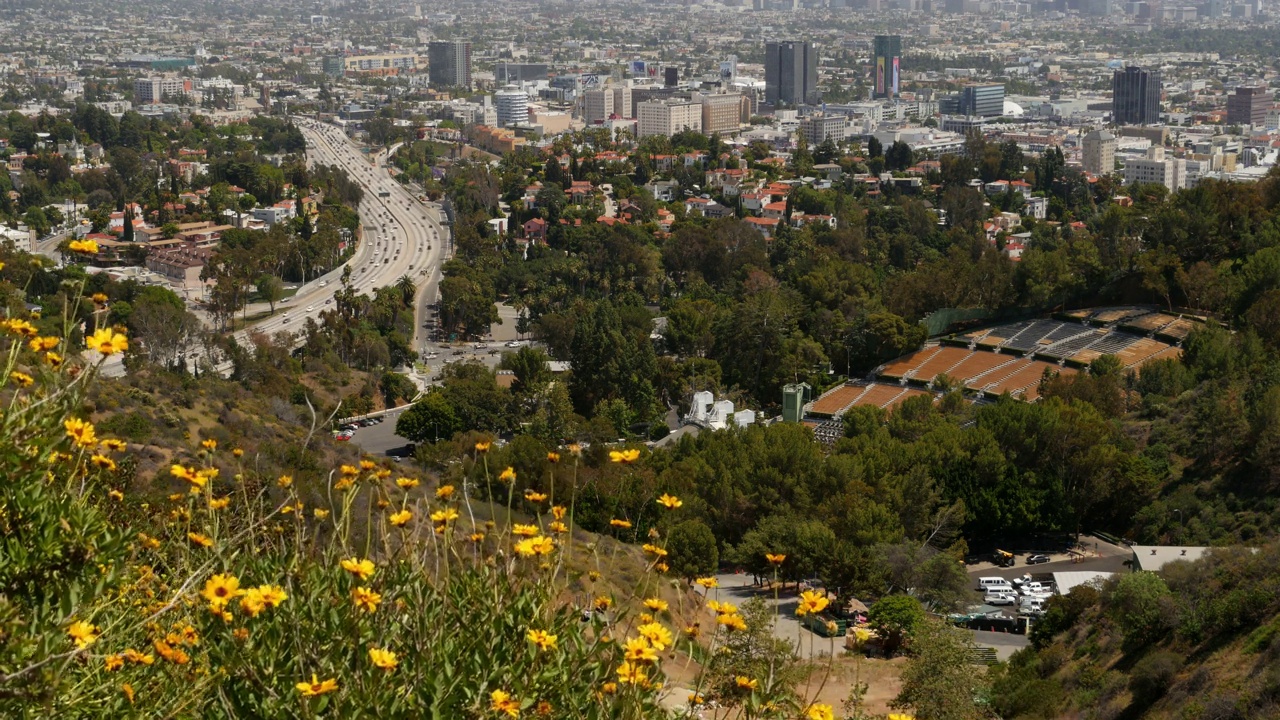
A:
{"points": [[401, 237]]}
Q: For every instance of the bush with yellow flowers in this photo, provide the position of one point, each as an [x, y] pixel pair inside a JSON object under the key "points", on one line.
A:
{"points": [[243, 597]]}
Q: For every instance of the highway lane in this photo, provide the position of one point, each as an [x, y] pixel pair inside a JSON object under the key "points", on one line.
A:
{"points": [[400, 237]]}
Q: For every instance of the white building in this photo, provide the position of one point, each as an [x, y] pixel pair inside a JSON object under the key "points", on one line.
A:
{"points": [[668, 117], [597, 105], [622, 105], [148, 91], [513, 106], [1099, 152], [818, 128], [1156, 168], [21, 237]]}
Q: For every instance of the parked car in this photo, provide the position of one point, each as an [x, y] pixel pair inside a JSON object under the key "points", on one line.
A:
{"points": [[1000, 599], [1037, 559]]}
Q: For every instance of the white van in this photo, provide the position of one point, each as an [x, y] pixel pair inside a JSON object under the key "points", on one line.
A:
{"points": [[1033, 605], [995, 584]]}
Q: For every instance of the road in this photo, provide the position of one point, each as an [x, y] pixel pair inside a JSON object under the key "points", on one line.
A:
{"points": [[401, 237]]}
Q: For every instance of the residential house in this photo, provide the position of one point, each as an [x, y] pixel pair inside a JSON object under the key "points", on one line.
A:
{"points": [[581, 191], [535, 231], [181, 265], [800, 219], [776, 210], [766, 226]]}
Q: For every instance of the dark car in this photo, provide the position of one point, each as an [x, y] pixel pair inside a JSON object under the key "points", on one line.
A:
{"points": [[1037, 559]]}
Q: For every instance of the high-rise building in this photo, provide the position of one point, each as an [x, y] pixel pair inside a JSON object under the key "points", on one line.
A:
{"points": [[513, 106], [790, 73], [1098, 153], [1135, 96], [332, 65], [1248, 105], [667, 117], [597, 105], [151, 90], [622, 106], [721, 112], [981, 100], [819, 128], [1156, 168], [450, 63], [886, 65]]}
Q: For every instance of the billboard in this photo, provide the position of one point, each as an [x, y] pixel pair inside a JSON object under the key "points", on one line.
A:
{"points": [[639, 68], [591, 82], [879, 77], [896, 65], [729, 70]]}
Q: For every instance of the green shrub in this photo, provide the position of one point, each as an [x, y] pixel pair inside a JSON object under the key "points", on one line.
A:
{"points": [[1152, 676]]}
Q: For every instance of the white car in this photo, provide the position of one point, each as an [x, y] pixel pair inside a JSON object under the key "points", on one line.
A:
{"points": [[1000, 599], [310, 308]]}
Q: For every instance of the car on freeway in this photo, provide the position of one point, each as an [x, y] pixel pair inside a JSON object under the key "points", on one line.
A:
{"points": [[1037, 559], [310, 308]]}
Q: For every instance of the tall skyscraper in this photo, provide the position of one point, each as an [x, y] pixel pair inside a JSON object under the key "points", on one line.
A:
{"points": [[982, 100], [790, 73], [886, 65], [1135, 96], [450, 63]]}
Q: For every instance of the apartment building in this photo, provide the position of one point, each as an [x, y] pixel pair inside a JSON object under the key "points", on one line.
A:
{"points": [[449, 63], [1099, 152], [818, 128], [379, 65], [668, 117], [597, 105], [721, 113], [153, 90], [1156, 168]]}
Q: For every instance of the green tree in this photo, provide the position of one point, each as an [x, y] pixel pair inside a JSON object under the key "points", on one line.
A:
{"points": [[895, 619], [938, 680], [429, 419], [692, 550], [270, 289], [1139, 605]]}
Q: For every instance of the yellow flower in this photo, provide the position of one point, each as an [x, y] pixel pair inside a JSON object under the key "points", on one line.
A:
{"points": [[316, 687], [746, 683], [82, 633], [21, 379], [21, 327], [544, 708], [188, 474], [707, 582], [542, 639], [655, 604], [692, 631], [444, 492], [696, 699], [103, 461], [148, 542], [402, 518], [502, 702], [575, 449], [558, 511], [524, 530], [624, 524], [251, 602], [39, 344], [538, 545], [638, 650], [441, 517], [350, 470], [405, 483], [476, 537], [83, 246], [126, 688], [113, 662], [602, 603], [632, 674], [624, 456], [534, 497], [138, 658], [811, 602], [272, 595], [115, 495], [558, 527], [198, 539], [284, 481], [508, 475], [209, 444], [81, 432], [237, 452], [609, 688], [219, 503], [367, 465], [98, 298], [107, 342], [483, 447], [777, 559], [114, 445], [384, 659], [320, 514], [366, 599], [670, 502], [54, 359], [658, 636], [732, 621], [382, 474], [220, 589], [553, 457], [654, 550], [818, 711], [661, 567], [177, 656], [362, 569]]}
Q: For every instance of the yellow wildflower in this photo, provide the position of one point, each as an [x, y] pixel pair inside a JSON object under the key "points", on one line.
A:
{"points": [[198, 539], [534, 497], [362, 569], [483, 447], [366, 599], [670, 502], [818, 711], [384, 659], [655, 604], [639, 650], [508, 475], [82, 633], [524, 530], [553, 457], [405, 483], [812, 602], [221, 589], [707, 582], [624, 524], [746, 683], [21, 379], [441, 517], [444, 492], [284, 481], [81, 432], [542, 639], [114, 445], [624, 456], [83, 246], [107, 342], [316, 686], [632, 674], [657, 635], [209, 444], [503, 702], [402, 518]]}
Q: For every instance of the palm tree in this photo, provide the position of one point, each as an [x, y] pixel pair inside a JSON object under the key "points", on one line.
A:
{"points": [[407, 289]]}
